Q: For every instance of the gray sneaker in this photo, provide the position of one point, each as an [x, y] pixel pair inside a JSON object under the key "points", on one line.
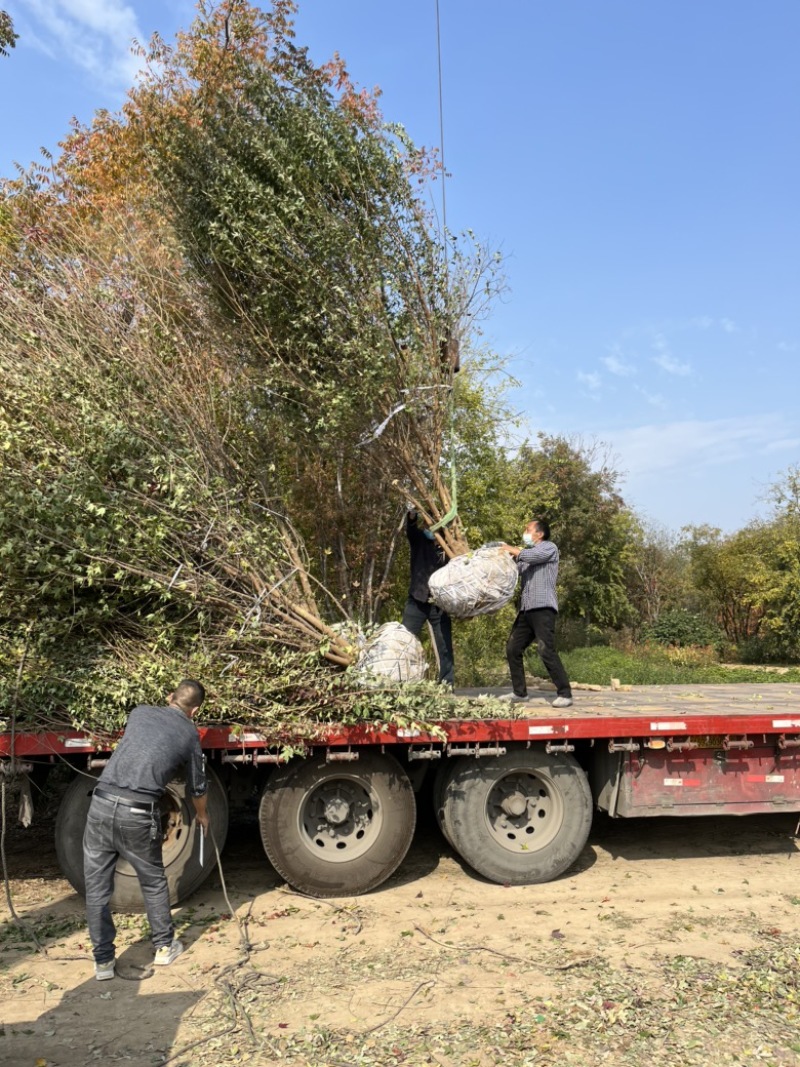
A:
{"points": [[167, 954], [562, 702], [104, 971], [514, 698]]}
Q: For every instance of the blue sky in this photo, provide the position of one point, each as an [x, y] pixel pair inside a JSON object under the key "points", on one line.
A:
{"points": [[637, 164]]}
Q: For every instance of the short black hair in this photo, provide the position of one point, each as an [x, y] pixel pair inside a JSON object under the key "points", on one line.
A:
{"points": [[189, 694], [543, 528]]}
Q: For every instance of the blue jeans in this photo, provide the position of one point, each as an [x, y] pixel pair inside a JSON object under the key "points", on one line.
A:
{"points": [[112, 830], [415, 615]]}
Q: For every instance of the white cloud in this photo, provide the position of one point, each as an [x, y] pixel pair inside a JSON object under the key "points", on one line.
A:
{"points": [[672, 365], [697, 322], [685, 446], [95, 35], [782, 444], [654, 399], [617, 366], [591, 381], [665, 358]]}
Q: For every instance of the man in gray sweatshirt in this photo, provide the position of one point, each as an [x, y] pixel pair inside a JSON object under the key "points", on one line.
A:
{"points": [[125, 819]]}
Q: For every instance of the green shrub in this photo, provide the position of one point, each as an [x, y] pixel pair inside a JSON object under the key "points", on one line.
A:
{"points": [[576, 633], [680, 627], [764, 648]]}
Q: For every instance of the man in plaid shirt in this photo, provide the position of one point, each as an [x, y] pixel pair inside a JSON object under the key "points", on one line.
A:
{"points": [[537, 564]]}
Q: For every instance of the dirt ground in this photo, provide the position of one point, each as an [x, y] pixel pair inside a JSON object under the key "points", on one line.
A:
{"points": [[672, 941]]}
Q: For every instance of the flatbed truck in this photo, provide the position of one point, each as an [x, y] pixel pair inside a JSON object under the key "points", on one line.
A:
{"points": [[514, 797]]}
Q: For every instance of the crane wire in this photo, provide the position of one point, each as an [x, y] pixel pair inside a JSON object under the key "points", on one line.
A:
{"points": [[453, 512], [441, 138]]}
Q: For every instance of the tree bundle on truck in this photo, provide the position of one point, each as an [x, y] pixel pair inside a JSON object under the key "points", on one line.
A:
{"points": [[514, 797], [229, 335]]}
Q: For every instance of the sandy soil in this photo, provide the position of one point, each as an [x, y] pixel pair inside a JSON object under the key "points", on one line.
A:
{"points": [[671, 940]]}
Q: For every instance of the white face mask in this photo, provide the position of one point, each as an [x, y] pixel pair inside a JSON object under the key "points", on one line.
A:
{"points": [[528, 538]]}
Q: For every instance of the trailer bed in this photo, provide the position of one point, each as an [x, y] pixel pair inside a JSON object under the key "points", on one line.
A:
{"points": [[660, 711], [659, 708], [711, 712]]}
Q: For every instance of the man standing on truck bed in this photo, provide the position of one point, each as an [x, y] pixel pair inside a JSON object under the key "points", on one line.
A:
{"points": [[125, 819], [537, 564], [427, 556]]}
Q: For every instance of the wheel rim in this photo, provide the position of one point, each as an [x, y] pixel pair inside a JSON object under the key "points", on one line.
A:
{"points": [[524, 811], [340, 819]]}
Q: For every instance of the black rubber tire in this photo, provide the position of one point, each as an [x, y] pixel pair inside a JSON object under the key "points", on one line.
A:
{"points": [[300, 855], [181, 848], [563, 799], [443, 774]]}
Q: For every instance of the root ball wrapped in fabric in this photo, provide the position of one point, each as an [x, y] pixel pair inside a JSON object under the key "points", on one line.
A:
{"points": [[478, 583], [393, 653]]}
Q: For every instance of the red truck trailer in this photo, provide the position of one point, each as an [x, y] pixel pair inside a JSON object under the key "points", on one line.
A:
{"points": [[514, 797]]}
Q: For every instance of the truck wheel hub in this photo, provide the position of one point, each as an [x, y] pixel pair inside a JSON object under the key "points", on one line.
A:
{"points": [[337, 811], [516, 804]]}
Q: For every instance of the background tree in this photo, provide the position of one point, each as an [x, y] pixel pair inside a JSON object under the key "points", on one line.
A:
{"points": [[659, 578], [727, 571], [778, 572], [8, 39]]}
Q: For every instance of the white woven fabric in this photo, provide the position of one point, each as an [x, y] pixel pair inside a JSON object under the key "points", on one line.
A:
{"points": [[392, 653], [478, 583]]}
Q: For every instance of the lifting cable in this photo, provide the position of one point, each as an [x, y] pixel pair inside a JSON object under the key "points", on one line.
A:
{"points": [[446, 342], [441, 141]]}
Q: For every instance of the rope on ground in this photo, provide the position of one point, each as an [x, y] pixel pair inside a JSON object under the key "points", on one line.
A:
{"points": [[247, 948], [504, 955], [428, 983], [470, 948], [231, 990]]}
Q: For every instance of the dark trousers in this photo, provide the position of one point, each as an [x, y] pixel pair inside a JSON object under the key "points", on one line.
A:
{"points": [[538, 625], [415, 615], [112, 830]]}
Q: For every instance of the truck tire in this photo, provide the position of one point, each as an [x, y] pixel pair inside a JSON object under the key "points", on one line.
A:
{"points": [[518, 819], [181, 849], [337, 829], [443, 774]]}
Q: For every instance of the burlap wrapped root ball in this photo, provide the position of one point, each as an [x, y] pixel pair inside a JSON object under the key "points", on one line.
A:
{"points": [[479, 583], [394, 654]]}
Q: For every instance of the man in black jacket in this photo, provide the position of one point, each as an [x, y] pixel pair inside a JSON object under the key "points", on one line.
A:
{"points": [[427, 556], [125, 819]]}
